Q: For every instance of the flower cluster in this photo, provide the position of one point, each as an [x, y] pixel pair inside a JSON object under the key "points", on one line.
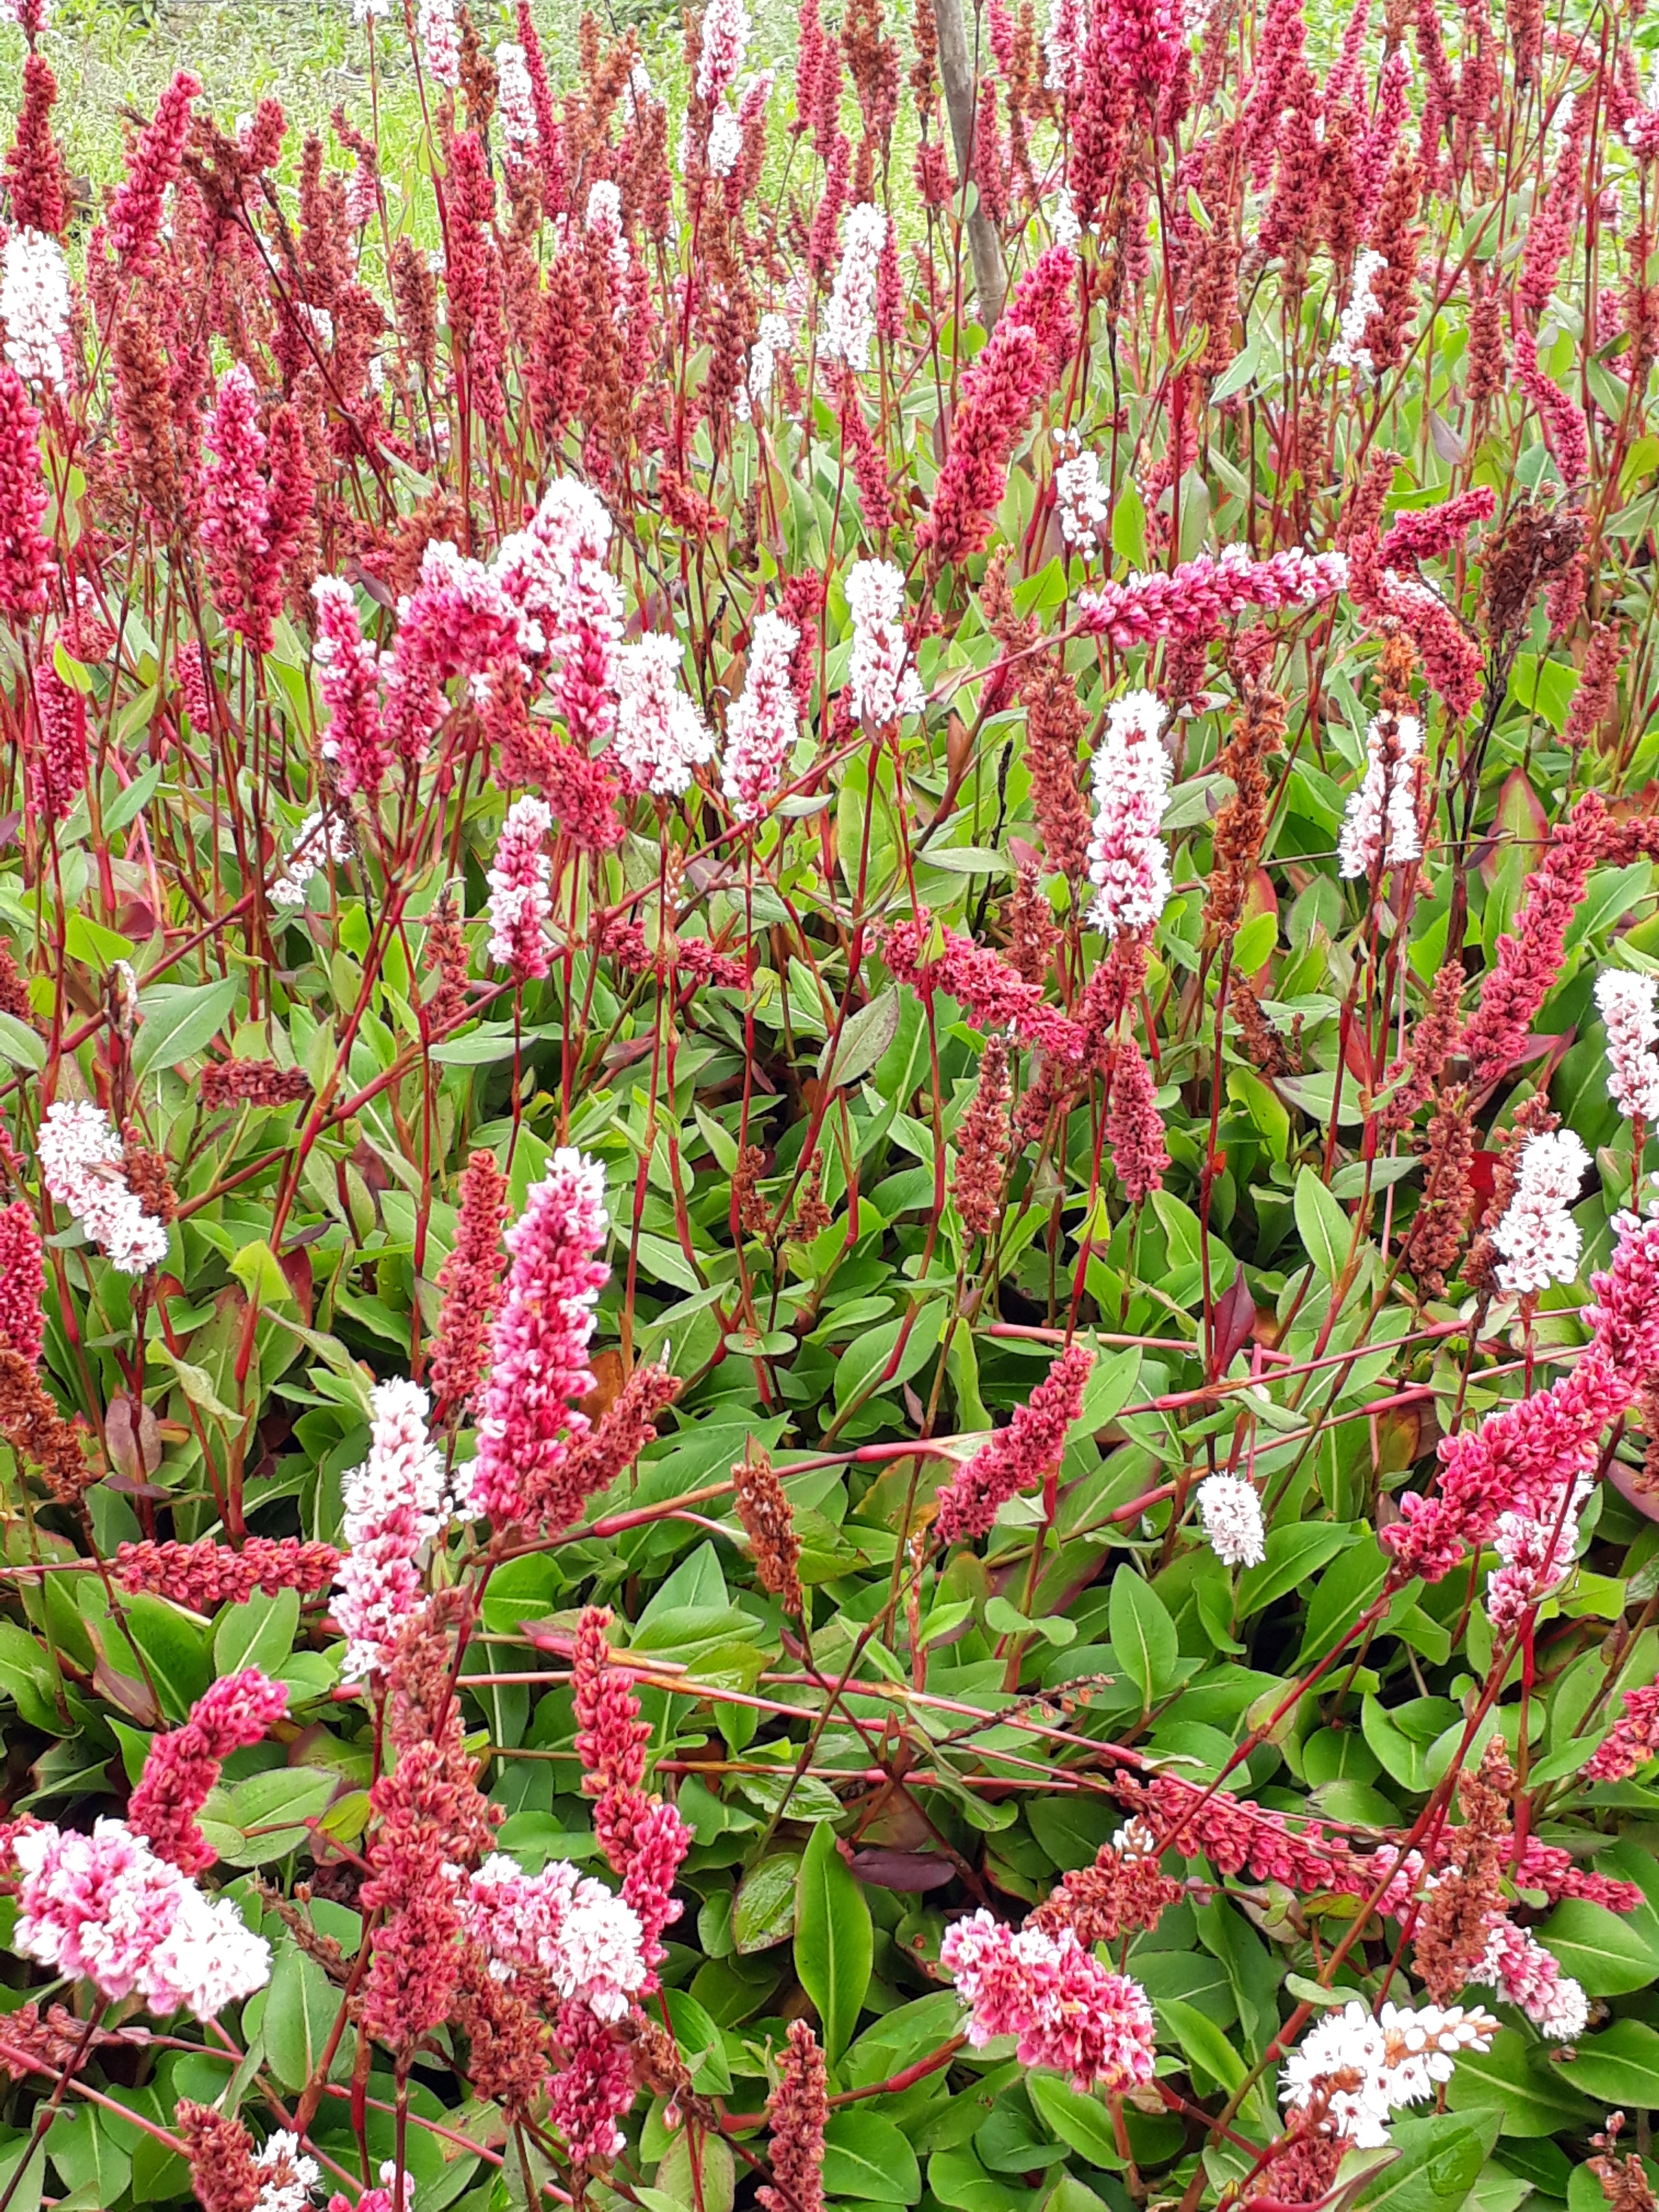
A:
{"points": [[183, 1765], [393, 1503], [104, 1908], [1019, 1457], [1627, 1003], [1231, 1513], [1379, 829], [1537, 1236], [1127, 862], [538, 1348], [83, 1166], [1357, 2071], [569, 1931], [1063, 2008]]}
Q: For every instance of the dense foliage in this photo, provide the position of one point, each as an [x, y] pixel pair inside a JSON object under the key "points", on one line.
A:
{"points": [[829, 1347]]}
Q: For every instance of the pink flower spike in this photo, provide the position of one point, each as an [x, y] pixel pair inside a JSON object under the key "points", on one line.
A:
{"points": [[539, 1346], [351, 686], [135, 216], [104, 1909], [183, 1766], [520, 903], [763, 726], [22, 1282], [1066, 2010], [1019, 1457]]}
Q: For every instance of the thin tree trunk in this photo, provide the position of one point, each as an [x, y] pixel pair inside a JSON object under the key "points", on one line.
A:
{"points": [[956, 70]]}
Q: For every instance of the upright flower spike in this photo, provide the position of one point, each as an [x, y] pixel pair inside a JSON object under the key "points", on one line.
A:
{"points": [[1538, 1237], [235, 526], [798, 2110], [1019, 1457], [1628, 1004], [1128, 862], [25, 555], [521, 900], [538, 1351], [881, 677], [392, 1505], [848, 328], [762, 725], [1379, 829], [470, 1279], [35, 306], [135, 216], [350, 683], [660, 738], [22, 1282]]}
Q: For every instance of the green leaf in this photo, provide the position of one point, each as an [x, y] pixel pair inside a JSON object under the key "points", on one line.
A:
{"points": [[86, 2156], [1598, 1948], [1325, 1230], [1439, 2161], [1007, 1620], [1296, 1551], [1129, 525], [833, 1945], [864, 1038], [701, 2045], [260, 1634], [257, 1269], [1202, 2042], [1143, 1635], [22, 1046], [196, 1383], [1254, 942], [174, 1649], [714, 2184], [299, 2009], [132, 802], [865, 2157], [1619, 2067], [1529, 2102], [28, 2186], [74, 672], [277, 1804], [763, 1911], [1079, 2120], [180, 1020]]}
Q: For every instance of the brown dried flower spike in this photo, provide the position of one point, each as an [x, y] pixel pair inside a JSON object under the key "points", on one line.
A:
{"points": [[769, 1525]]}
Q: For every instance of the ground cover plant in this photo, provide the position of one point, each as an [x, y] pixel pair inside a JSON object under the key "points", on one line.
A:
{"points": [[829, 991]]}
